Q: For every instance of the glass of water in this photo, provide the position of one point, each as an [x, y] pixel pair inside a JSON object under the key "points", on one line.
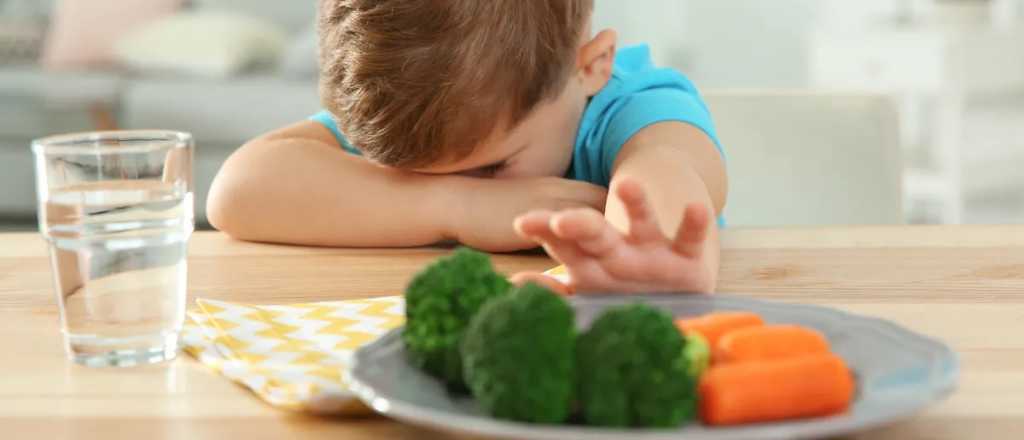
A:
{"points": [[116, 210]]}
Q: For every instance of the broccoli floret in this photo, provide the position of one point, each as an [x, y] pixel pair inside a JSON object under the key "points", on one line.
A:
{"points": [[698, 354], [518, 356], [439, 303], [632, 370]]}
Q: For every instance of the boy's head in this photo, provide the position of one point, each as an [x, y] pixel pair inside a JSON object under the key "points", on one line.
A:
{"points": [[483, 88]]}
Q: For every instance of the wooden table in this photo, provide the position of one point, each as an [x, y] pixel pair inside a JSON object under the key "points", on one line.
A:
{"points": [[964, 285]]}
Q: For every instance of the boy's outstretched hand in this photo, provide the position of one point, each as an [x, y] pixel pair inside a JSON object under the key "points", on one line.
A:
{"points": [[600, 258]]}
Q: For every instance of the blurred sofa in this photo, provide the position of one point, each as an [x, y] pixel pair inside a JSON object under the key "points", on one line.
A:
{"points": [[220, 112]]}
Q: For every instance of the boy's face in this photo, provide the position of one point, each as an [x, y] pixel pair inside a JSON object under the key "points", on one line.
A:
{"points": [[540, 145]]}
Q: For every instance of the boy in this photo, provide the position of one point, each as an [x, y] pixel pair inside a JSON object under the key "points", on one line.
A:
{"points": [[498, 124]]}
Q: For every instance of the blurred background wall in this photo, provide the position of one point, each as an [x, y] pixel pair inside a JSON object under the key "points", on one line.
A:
{"points": [[871, 111]]}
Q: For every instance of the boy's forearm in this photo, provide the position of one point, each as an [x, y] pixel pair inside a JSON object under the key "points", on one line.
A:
{"points": [[296, 186], [677, 165], [302, 191]]}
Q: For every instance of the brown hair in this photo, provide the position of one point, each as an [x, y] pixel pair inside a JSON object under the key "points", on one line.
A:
{"points": [[412, 82]]}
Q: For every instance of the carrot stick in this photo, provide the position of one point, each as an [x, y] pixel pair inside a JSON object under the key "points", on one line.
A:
{"points": [[715, 325], [769, 342], [747, 392]]}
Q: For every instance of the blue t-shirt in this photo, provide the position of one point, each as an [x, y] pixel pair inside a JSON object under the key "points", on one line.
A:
{"points": [[637, 95]]}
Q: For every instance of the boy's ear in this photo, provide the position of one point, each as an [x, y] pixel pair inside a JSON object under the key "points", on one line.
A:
{"points": [[595, 59]]}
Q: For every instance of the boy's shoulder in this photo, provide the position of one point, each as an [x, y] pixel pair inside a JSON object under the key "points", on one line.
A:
{"points": [[638, 94]]}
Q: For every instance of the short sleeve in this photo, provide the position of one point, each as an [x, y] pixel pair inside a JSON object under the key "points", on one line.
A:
{"points": [[641, 109], [326, 119]]}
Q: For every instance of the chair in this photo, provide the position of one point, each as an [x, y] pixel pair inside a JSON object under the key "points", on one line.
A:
{"points": [[804, 158]]}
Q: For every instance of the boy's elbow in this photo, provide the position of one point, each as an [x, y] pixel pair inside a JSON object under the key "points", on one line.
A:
{"points": [[221, 205], [720, 194], [228, 200]]}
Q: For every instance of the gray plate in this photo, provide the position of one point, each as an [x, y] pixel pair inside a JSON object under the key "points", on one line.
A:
{"points": [[898, 374]]}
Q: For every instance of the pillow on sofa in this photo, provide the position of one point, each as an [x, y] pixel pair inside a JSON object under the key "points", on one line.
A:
{"points": [[292, 15], [83, 32], [211, 44]]}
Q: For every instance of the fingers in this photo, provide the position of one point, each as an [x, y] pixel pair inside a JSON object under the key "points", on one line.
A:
{"points": [[536, 226], [693, 231], [540, 279], [643, 226], [588, 229]]}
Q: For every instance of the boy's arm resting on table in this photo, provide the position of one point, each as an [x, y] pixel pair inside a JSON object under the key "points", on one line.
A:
{"points": [[296, 185]]}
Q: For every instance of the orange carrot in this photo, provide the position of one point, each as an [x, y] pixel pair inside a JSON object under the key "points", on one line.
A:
{"points": [[761, 391], [769, 342], [715, 325]]}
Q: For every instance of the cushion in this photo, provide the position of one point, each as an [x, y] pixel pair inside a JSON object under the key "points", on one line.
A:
{"points": [[209, 44], [293, 15], [83, 32]]}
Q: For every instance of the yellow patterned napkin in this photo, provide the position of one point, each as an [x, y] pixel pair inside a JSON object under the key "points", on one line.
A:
{"points": [[291, 356], [558, 273]]}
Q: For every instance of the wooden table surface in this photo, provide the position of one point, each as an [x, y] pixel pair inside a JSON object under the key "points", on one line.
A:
{"points": [[964, 285]]}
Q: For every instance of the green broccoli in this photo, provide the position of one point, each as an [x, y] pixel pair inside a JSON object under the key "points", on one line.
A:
{"points": [[439, 303], [698, 354], [632, 370], [518, 356]]}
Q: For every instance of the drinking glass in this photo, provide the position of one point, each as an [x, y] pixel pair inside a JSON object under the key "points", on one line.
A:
{"points": [[116, 209]]}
